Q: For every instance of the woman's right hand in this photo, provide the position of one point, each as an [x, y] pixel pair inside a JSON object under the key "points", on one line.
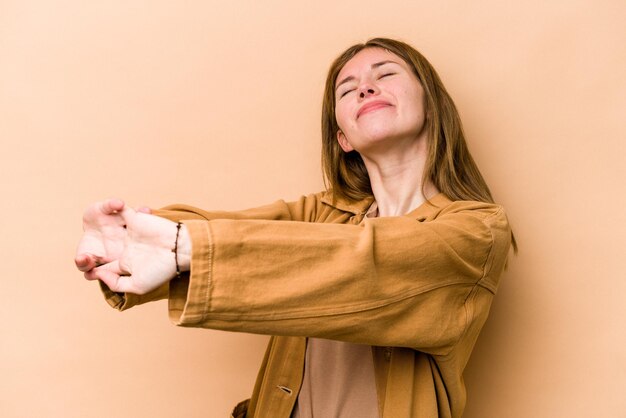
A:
{"points": [[103, 236]]}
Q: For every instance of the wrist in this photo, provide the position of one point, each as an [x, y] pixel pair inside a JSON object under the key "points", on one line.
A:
{"points": [[183, 248]]}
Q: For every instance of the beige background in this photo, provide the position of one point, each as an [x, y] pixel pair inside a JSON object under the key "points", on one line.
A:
{"points": [[217, 104]]}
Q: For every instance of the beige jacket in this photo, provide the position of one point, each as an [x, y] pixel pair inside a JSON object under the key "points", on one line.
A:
{"points": [[417, 288]]}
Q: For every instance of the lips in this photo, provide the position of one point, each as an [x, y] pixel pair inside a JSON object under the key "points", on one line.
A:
{"points": [[370, 106]]}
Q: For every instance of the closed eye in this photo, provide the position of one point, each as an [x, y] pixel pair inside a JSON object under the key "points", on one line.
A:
{"points": [[385, 75], [346, 92]]}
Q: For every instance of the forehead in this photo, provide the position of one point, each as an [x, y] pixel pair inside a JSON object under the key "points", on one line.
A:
{"points": [[364, 60]]}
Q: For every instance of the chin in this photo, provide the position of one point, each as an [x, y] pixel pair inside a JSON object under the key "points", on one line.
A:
{"points": [[378, 132]]}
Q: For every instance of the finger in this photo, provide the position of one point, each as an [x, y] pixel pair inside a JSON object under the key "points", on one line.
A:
{"points": [[83, 262], [111, 279], [86, 262], [104, 269], [115, 282], [144, 209], [93, 274], [111, 274], [111, 206]]}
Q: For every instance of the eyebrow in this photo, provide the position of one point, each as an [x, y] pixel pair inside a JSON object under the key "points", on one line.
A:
{"points": [[375, 65]]}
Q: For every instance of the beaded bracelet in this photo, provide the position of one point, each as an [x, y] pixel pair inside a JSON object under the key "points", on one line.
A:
{"points": [[175, 250]]}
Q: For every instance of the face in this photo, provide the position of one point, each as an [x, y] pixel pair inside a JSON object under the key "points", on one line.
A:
{"points": [[379, 102]]}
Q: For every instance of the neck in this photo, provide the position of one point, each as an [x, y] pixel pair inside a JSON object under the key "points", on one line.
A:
{"points": [[397, 179]]}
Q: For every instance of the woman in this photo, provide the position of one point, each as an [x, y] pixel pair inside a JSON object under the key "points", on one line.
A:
{"points": [[374, 291]]}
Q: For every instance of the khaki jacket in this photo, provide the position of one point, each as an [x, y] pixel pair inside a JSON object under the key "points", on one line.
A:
{"points": [[416, 287]]}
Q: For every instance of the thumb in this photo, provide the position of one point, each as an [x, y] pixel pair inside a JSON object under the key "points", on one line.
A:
{"points": [[127, 214], [113, 276]]}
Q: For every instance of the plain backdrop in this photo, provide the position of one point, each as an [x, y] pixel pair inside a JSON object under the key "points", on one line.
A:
{"points": [[217, 104]]}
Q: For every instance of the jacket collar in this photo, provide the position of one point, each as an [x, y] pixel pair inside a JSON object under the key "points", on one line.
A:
{"points": [[426, 210], [357, 207], [430, 208]]}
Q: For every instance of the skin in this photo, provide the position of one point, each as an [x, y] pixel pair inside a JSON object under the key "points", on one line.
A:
{"points": [[380, 112], [130, 250], [391, 136]]}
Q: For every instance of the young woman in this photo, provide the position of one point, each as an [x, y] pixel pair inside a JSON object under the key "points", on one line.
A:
{"points": [[374, 291]]}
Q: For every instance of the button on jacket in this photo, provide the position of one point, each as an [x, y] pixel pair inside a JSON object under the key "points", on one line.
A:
{"points": [[417, 288]]}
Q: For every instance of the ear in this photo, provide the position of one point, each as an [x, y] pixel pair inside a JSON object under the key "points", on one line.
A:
{"points": [[343, 142]]}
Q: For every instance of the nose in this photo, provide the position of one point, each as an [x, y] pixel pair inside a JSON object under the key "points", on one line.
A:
{"points": [[367, 90]]}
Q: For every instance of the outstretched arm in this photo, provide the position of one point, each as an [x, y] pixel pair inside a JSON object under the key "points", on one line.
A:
{"points": [[421, 280]]}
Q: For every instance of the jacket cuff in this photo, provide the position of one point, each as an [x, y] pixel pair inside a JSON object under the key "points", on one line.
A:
{"points": [[189, 295], [123, 301]]}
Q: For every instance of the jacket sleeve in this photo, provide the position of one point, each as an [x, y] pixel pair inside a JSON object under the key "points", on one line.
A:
{"points": [[397, 281], [276, 211]]}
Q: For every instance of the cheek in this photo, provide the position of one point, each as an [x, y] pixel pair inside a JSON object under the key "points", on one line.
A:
{"points": [[341, 116], [416, 98]]}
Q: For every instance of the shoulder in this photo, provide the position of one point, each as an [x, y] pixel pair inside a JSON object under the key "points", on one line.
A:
{"points": [[479, 215], [491, 215], [480, 220], [441, 206], [471, 227]]}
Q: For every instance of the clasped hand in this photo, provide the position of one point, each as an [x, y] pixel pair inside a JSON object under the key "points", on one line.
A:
{"points": [[129, 250]]}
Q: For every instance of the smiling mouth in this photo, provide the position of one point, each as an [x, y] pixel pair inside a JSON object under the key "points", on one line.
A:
{"points": [[369, 107]]}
